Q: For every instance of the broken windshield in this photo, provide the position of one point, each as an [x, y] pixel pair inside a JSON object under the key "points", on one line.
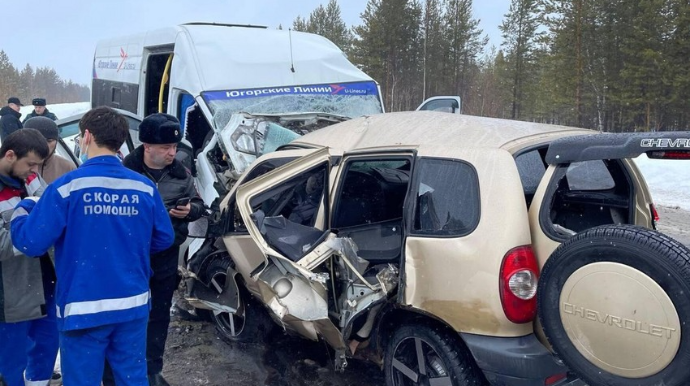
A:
{"points": [[344, 99]]}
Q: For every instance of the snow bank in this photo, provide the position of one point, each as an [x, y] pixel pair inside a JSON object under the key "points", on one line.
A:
{"points": [[62, 110], [668, 180]]}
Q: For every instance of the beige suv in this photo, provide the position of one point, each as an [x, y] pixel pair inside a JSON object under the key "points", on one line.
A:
{"points": [[457, 250]]}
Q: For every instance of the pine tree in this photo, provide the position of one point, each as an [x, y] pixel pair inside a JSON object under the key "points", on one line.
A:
{"points": [[464, 41], [8, 76], [328, 23], [519, 30], [44, 82], [434, 50], [679, 53], [26, 83], [646, 70], [300, 24], [388, 46]]}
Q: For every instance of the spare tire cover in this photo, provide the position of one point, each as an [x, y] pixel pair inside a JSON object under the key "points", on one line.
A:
{"points": [[614, 301]]}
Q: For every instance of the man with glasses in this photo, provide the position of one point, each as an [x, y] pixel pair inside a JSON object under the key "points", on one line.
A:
{"points": [[53, 166]]}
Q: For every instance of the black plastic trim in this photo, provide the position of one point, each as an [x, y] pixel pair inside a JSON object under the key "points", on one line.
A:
{"points": [[614, 146], [524, 360]]}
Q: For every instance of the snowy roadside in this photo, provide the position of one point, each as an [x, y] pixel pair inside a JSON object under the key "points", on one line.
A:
{"points": [[668, 181], [62, 110], [675, 222]]}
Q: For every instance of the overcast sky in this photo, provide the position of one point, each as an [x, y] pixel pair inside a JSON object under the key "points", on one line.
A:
{"points": [[62, 34]]}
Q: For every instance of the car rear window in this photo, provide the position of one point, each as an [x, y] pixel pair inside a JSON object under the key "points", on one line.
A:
{"points": [[447, 198], [531, 168]]}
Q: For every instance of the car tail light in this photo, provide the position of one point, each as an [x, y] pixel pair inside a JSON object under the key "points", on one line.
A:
{"points": [[555, 378], [655, 215], [518, 284]]}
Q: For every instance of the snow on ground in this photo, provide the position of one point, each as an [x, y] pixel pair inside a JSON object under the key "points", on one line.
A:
{"points": [[668, 180]]}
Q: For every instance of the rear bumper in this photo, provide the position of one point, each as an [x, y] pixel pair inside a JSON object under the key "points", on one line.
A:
{"points": [[521, 361]]}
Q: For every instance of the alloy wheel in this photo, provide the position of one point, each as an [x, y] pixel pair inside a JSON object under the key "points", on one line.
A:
{"points": [[231, 325], [416, 362]]}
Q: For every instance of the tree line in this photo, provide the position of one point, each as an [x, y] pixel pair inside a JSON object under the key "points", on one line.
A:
{"points": [[42, 82], [611, 65]]}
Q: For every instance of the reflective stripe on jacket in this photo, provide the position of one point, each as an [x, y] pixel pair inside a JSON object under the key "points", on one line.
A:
{"points": [[104, 221], [21, 284]]}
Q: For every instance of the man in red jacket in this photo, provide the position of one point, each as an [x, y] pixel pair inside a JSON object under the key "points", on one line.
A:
{"points": [[28, 329]]}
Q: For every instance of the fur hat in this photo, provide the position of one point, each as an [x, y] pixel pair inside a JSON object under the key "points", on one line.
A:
{"points": [[160, 128], [45, 125], [39, 102]]}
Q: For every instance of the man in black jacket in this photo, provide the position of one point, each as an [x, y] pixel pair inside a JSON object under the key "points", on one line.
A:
{"points": [[40, 110], [9, 117], [155, 158]]}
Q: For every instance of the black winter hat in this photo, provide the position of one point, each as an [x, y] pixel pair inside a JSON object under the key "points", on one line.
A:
{"points": [[39, 102], [160, 128], [14, 100], [45, 125]]}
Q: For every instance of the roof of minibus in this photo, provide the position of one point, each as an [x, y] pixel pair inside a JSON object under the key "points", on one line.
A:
{"points": [[214, 57]]}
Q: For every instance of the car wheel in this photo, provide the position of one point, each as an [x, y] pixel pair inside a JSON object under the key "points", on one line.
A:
{"points": [[423, 355], [250, 324], [613, 301]]}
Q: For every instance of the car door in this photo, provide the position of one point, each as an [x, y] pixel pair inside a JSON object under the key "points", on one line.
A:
{"points": [[368, 212], [591, 180], [63, 150], [284, 213], [609, 284], [239, 243], [447, 104], [69, 133]]}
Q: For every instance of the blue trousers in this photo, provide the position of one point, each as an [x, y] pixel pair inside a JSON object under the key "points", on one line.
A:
{"points": [[30, 348], [83, 353]]}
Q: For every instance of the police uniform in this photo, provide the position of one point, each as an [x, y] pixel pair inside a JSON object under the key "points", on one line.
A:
{"points": [[173, 182]]}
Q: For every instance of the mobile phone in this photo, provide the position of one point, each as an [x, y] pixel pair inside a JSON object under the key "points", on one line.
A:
{"points": [[183, 201]]}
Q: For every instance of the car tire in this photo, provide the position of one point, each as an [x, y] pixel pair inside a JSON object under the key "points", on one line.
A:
{"points": [[589, 339], [442, 356], [250, 324]]}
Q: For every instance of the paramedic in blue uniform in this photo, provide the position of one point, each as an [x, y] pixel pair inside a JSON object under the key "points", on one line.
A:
{"points": [[104, 221], [155, 159]]}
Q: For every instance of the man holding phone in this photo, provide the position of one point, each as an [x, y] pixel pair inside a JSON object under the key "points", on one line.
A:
{"points": [[155, 159]]}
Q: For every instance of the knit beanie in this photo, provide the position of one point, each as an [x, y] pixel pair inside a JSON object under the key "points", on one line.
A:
{"points": [[45, 125]]}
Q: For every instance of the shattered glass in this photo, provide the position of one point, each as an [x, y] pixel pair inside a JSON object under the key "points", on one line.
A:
{"points": [[388, 278], [344, 105], [274, 137]]}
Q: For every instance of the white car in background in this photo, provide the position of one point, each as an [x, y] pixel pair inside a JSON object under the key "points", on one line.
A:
{"points": [[446, 104]]}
